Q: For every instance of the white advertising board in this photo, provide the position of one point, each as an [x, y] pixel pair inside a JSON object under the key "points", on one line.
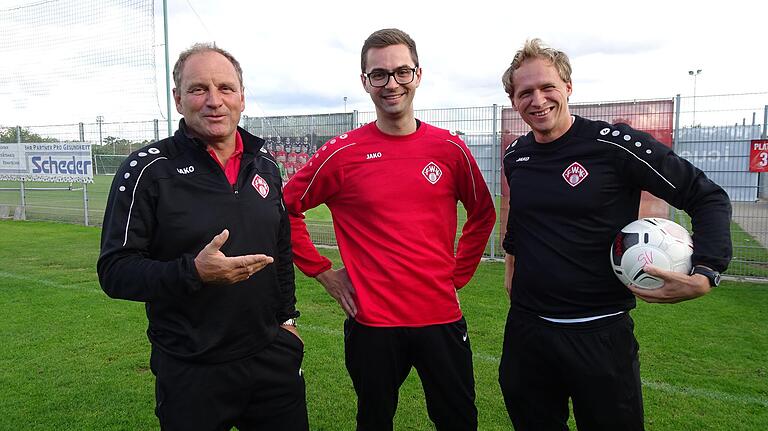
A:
{"points": [[60, 162]]}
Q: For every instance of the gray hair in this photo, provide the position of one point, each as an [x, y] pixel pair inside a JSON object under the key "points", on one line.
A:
{"points": [[200, 48]]}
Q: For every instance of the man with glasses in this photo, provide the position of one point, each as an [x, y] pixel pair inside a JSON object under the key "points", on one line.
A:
{"points": [[392, 187]]}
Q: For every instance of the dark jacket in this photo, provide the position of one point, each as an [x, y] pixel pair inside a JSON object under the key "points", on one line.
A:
{"points": [[168, 200], [570, 197]]}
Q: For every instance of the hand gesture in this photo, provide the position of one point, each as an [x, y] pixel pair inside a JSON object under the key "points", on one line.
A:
{"points": [[677, 286], [214, 267], [338, 285]]}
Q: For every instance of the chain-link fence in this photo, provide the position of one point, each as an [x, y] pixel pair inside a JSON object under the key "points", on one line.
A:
{"points": [[715, 135]]}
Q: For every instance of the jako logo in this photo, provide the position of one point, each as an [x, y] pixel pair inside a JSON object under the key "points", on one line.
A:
{"points": [[372, 156], [187, 170], [523, 159]]}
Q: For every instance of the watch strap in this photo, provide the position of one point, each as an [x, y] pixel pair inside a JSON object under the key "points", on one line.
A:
{"points": [[711, 274]]}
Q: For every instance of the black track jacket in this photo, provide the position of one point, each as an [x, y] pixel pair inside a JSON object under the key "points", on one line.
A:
{"points": [[168, 200], [570, 197]]}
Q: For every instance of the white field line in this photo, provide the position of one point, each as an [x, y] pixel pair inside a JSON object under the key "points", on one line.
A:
{"points": [[46, 283], [706, 393], [659, 386]]}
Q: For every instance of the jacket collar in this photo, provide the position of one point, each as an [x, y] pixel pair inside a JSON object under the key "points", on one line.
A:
{"points": [[251, 144]]}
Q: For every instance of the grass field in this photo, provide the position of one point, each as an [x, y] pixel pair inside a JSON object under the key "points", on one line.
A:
{"points": [[73, 359]]}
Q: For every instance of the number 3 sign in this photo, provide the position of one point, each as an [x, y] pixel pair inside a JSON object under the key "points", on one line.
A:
{"points": [[758, 156]]}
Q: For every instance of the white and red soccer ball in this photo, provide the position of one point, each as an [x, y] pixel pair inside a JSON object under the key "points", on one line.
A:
{"points": [[656, 241]]}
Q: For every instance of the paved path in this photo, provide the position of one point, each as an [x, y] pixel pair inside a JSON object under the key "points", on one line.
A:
{"points": [[753, 218]]}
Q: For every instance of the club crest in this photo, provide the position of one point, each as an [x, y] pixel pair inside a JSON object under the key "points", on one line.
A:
{"points": [[261, 186], [432, 172], [575, 174]]}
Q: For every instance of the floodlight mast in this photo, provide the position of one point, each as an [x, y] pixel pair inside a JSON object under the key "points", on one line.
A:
{"points": [[695, 75]]}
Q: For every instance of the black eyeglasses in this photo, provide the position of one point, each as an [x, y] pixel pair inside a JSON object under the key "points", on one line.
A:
{"points": [[380, 77]]}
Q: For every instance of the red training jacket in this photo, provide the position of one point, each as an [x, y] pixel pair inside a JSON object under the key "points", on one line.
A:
{"points": [[393, 200]]}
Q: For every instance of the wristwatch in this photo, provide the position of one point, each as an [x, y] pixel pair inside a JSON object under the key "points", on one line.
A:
{"points": [[289, 322], [711, 274]]}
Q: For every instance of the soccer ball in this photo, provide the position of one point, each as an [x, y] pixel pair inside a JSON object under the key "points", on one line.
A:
{"points": [[656, 241]]}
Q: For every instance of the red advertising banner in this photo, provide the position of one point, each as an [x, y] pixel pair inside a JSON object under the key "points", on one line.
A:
{"points": [[758, 155]]}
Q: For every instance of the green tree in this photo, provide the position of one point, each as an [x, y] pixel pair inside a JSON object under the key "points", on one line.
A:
{"points": [[8, 135], [115, 145]]}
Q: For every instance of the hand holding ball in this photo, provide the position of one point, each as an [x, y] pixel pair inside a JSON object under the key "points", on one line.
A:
{"points": [[656, 241]]}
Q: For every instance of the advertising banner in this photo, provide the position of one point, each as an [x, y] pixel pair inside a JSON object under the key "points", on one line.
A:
{"points": [[59, 162], [758, 155]]}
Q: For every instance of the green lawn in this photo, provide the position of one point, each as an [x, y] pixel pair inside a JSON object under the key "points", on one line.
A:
{"points": [[73, 359], [749, 257]]}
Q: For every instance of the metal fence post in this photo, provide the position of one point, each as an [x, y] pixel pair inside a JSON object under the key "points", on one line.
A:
{"points": [[157, 129], [495, 151], [312, 133], [85, 202], [677, 122], [100, 121], [22, 191], [81, 129], [675, 140]]}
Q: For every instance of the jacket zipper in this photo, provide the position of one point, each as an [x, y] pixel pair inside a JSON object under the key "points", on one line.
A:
{"points": [[236, 186]]}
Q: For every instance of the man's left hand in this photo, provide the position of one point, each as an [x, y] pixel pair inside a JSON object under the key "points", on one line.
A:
{"points": [[677, 286]]}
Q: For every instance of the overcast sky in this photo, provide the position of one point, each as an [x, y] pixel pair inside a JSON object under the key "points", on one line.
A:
{"points": [[303, 56]]}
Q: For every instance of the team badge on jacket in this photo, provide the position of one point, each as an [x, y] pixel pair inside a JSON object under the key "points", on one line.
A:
{"points": [[575, 174], [432, 172], [261, 186]]}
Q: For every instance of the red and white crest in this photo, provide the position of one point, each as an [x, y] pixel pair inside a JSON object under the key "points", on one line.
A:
{"points": [[432, 172], [261, 186], [575, 174]]}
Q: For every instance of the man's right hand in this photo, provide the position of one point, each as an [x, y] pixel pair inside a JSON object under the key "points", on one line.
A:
{"points": [[509, 272], [338, 285], [214, 267]]}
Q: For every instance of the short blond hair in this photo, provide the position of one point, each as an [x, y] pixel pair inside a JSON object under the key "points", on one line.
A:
{"points": [[535, 48]]}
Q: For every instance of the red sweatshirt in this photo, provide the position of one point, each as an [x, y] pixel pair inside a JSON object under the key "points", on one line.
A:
{"points": [[393, 201]]}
